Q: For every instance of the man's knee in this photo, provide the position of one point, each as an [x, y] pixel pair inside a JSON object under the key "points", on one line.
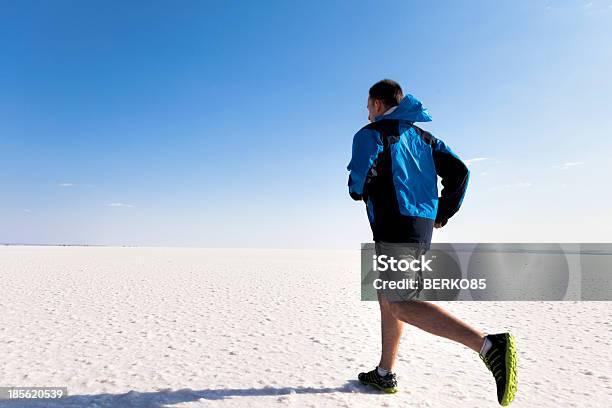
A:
{"points": [[401, 309]]}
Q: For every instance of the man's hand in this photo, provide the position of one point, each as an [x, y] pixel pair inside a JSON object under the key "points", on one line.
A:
{"points": [[440, 224]]}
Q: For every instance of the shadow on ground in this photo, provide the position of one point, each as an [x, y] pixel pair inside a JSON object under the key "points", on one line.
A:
{"points": [[166, 398]]}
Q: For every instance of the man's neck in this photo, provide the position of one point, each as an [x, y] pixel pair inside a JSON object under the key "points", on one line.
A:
{"points": [[390, 110]]}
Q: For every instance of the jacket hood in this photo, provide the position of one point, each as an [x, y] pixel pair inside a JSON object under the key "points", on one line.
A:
{"points": [[410, 109]]}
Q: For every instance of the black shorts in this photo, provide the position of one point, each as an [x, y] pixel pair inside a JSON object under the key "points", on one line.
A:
{"points": [[399, 285]]}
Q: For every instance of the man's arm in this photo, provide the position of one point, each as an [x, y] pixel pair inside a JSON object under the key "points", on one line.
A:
{"points": [[366, 146], [455, 176]]}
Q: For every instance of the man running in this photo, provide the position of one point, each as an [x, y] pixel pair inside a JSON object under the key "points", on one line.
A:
{"points": [[394, 169]]}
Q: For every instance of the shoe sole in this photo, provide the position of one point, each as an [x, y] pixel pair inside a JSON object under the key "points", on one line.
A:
{"points": [[511, 376], [385, 390]]}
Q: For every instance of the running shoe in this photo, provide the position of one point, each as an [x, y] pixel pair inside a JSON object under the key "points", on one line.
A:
{"points": [[501, 361], [387, 384]]}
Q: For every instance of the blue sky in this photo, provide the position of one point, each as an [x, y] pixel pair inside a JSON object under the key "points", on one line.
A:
{"points": [[229, 124]]}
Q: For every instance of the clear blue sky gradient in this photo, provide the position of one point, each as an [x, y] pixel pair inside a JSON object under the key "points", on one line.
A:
{"points": [[229, 124]]}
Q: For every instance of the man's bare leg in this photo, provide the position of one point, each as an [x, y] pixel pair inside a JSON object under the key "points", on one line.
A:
{"points": [[433, 319], [391, 331]]}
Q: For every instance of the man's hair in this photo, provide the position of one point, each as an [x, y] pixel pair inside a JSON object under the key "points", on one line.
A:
{"points": [[387, 91]]}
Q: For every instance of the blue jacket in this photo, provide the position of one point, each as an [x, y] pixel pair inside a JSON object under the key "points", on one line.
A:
{"points": [[394, 169]]}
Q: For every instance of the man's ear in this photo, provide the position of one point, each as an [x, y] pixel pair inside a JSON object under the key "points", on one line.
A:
{"points": [[378, 104]]}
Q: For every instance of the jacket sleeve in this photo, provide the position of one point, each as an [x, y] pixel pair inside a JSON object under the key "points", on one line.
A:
{"points": [[366, 146], [455, 176]]}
